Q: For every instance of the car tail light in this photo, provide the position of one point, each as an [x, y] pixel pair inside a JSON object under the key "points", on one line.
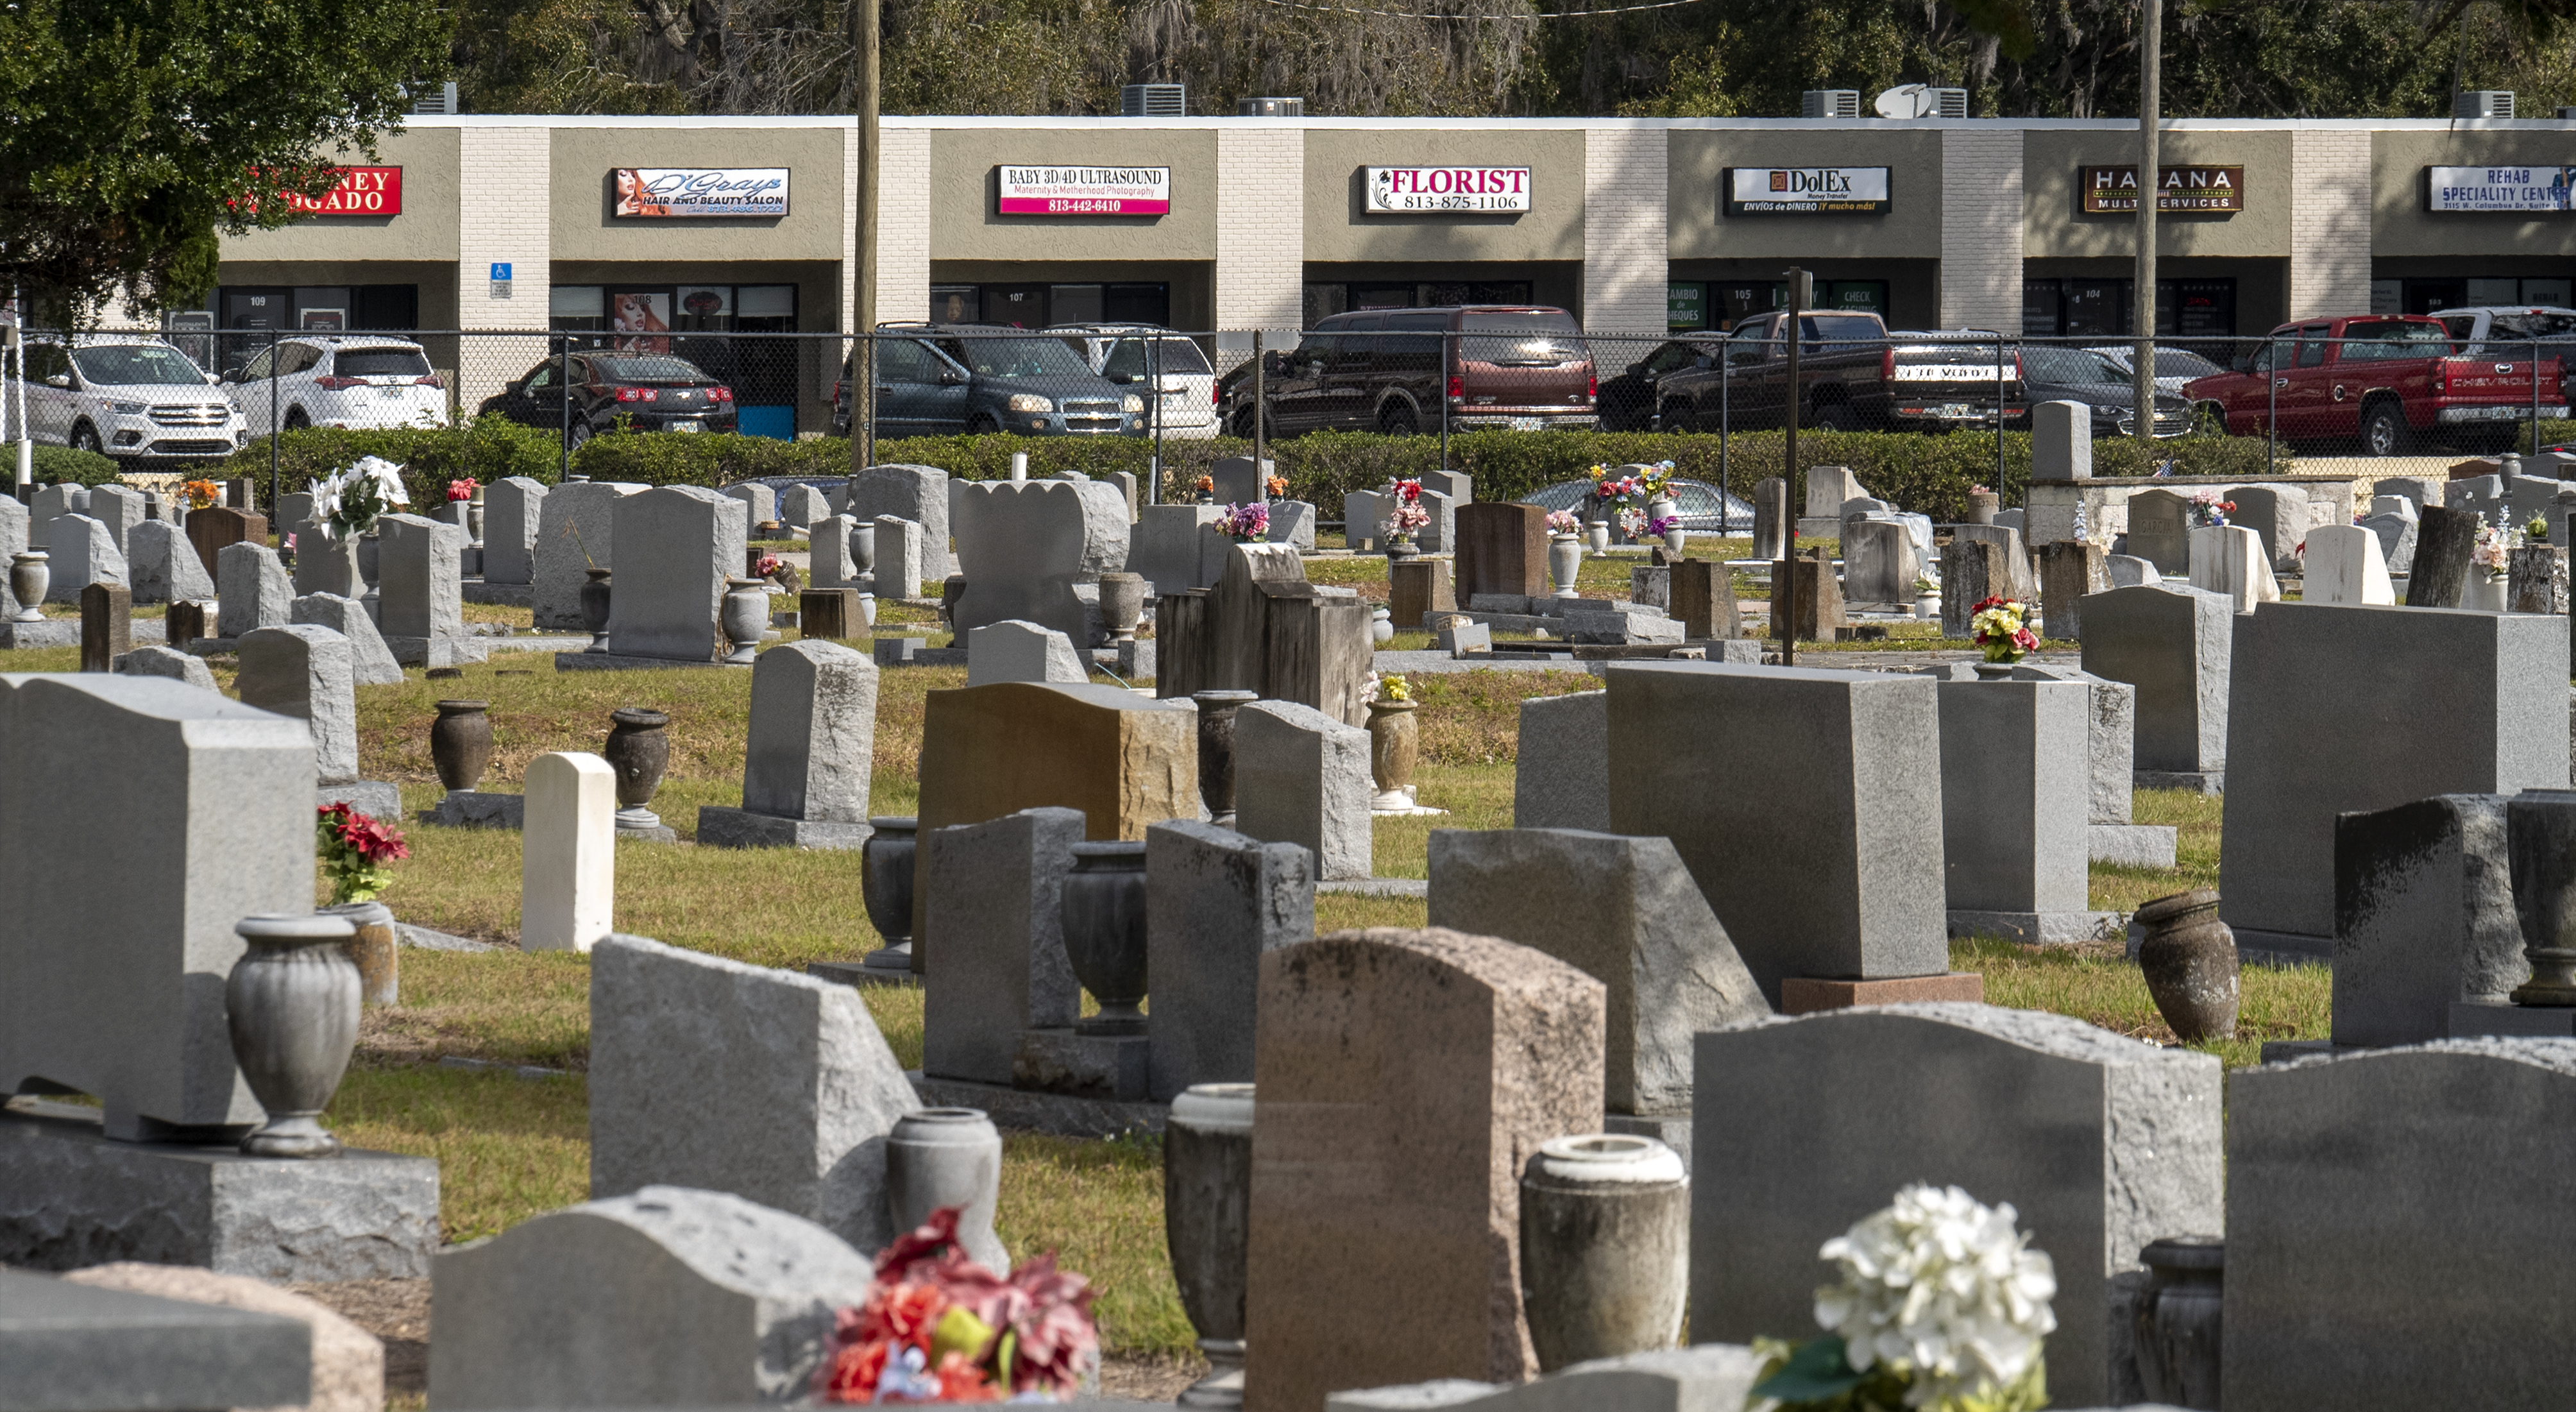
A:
{"points": [[1216, 395], [1457, 388], [1887, 365], [432, 380], [2441, 376], [338, 384], [840, 389], [719, 394], [638, 394], [1592, 386]]}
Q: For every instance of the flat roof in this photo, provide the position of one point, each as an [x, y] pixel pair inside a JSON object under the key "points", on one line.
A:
{"points": [[1050, 123]]}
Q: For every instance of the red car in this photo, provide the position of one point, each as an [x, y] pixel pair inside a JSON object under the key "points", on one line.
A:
{"points": [[2388, 380]]}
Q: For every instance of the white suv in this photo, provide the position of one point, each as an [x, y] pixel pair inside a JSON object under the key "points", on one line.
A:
{"points": [[341, 381], [1129, 354], [136, 399]]}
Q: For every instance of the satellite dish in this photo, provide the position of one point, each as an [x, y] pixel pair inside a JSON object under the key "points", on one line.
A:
{"points": [[1907, 100]]}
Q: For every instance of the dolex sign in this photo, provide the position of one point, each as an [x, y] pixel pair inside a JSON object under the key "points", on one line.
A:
{"points": [[2111, 191], [1805, 191], [361, 191], [1084, 191], [1459, 190]]}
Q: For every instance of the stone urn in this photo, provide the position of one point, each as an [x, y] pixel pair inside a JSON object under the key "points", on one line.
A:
{"points": [[939, 1157], [1983, 505], [1400, 550], [594, 608], [474, 519], [2178, 1320], [1103, 912], [1927, 606], [744, 617], [885, 887], [1207, 1227], [370, 555], [2189, 957], [863, 548], [1122, 604], [460, 744], [30, 574], [1381, 626], [868, 611], [1395, 746], [1674, 539], [1216, 750], [2540, 842], [1564, 561], [1605, 1230], [639, 750], [372, 950], [2481, 594], [291, 1003], [1597, 533]]}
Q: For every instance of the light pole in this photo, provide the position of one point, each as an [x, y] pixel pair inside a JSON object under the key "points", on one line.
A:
{"points": [[863, 278], [2151, 15]]}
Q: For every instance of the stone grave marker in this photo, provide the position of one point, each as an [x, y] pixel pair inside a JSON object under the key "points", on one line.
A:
{"points": [[2016, 792], [107, 626], [1265, 629], [811, 748], [1771, 519], [799, 506], [325, 563], [49, 503], [1364, 515], [994, 893], [1561, 773], [1012, 650], [2497, 684], [68, 1342], [513, 506], [2230, 560], [2007, 535], [2277, 514], [306, 672], [679, 545], [897, 574], [1459, 486], [83, 554], [568, 853], [1417, 588], [120, 508], [2130, 571], [186, 623], [1827, 488], [2175, 645], [2393, 518], [2424, 918], [1704, 600], [759, 501], [830, 614], [667, 1297], [1972, 571], [151, 661], [215, 529], [1105, 527], [1419, 1067], [1820, 598], [1166, 545], [1879, 563], [833, 565], [2445, 542], [1216, 901], [576, 532], [1240, 480], [13, 532], [915, 493], [1816, 1122], [2423, 491], [371, 663], [1440, 536], [2160, 529], [347, 1363], [2344, 565], [2535, 579], [252, 590], [1840, 810], [162, 566], [2068, 570], [1502, 548], [2061, 443], [715, 1074], [420, 592], [293, 508], [1302, 777], [1292, 523], [1020, 545]]}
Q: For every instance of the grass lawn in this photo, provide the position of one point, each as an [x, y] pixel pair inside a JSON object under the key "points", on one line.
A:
{"points": [[512, 1147]]}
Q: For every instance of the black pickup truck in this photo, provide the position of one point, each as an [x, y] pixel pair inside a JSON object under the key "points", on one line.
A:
{"points": [[1853, 375]]}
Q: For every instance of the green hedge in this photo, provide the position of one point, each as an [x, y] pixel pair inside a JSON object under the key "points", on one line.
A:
{"points": [[58, 465], [1931, 474]]}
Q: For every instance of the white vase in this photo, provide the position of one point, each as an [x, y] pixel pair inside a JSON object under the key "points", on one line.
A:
{"points": [[1599, 533], [2482, 594], [1564, 561], [1673, 539], [1927, 605]]}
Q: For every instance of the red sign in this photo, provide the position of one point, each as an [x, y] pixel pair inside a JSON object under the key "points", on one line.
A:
{"points": [[362, 191]]}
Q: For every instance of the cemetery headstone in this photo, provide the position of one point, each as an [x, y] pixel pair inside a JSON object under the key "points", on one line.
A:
{"points": [[1127, 491], [2007, 535], [1840, 810], [420, 591], [512, 509], [327, 562], [2173, 644], [1364, 515], [1440, 536], [1561, 772], [49, 503], [1240, 480], [1216, 901], [1302, 777], [1771, 519], [2277, 514], [829, 614], [2230, 559], [2535, 579], [1166, 545], [107, 626], [371, 663], [2423, 491], [1459, 486], [347, 1362], [2061, 443], [576, 532], [677, 546], [151, 661], [1502, 548], [306, 672], [759, 502], [1704, 600], [215, 529], [294, 507], [83, 554], [897, 574], [67, 1345], [2344, 564], [1105, 527], [1020, 546], [1820, 599], [1012, 650], [2446, 542], [808, 759], [241, 492], [833, 565], [2160, 529], [993, 892], [711, 1073], [1418, 587], [667, 1297], [568, 853], [915, 493], [1816, 1122], [800, 506], [2424, 918], [2130, 571], [1827, 488], [1463, 636], [162, 565], [2016, 787], [1419, 1067], [1265, 629], [1879, 563], [1972, 571], [1649, 586], [2394, 519], [2069, 570], [2498, 685], [1292, 522], [120, 508], [186, 623], [13, 530]]}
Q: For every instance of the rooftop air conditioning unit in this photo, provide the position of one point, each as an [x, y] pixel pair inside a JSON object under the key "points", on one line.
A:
{"points": [[1921, 100], [1270, 107], [1154, 100], [1829, 103], [2567, 115], [443, 101], [2483, 103]]}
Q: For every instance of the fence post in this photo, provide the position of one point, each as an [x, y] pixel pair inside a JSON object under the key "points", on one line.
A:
{"points": [[2003, 401], [2272, 401], [1441, 386], [1725, 467], [1259, 410], [2535, 397], [867, 379], [273, 428]]}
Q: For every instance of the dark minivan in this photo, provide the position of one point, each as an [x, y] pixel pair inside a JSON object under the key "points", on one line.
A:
{"points": [[949, 378], [1505, 366]]}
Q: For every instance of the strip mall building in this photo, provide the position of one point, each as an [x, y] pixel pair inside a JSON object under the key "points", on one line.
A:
{"points": [[529, 223]]}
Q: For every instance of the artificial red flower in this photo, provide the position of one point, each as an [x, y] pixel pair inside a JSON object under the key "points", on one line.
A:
{"points": [[852, 1373], [961, 1381]]}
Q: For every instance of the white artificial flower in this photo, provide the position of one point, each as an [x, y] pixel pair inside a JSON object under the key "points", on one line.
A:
{"points": [[386, 475], [326, 503], [1943, 1288]]}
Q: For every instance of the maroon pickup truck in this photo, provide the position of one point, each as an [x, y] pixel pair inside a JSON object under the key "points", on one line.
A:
{"points": [[2387, 380]]}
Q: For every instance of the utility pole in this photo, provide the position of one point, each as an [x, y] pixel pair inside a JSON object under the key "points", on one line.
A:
{"points": [[863, 275], [1793, 402], [2151, 19]]}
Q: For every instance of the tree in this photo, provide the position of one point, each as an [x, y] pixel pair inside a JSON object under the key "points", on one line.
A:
{"points": [[134, 134]]}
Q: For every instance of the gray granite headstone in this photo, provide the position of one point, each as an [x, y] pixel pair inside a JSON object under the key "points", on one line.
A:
{"points": [[83, 554], [1239, 480], [1214, 901], [2424, 918], [830, 564], [677, 545], [2130, 571], [994, 894], [1879, 562], [899, 549], [371, 661], [2278, 515], [306, 672], [576, 532], [2174, 644], [915, 493], [327, 563], [1020, 545], [1302, 777], [156, 661], [2394, 519], [120, 508], [2015, 789], [712, 1073], [1168, 546], [1012, 650], [802, 505], [806, 764], [1292, 522], [2160, 529], [418, 588], [2112, 709], [1363, 511], [512, 507], [760, 502], [1561, 769], [62, 498], [163, 566], [1105, 527], [70, 1346], [251, 588]]}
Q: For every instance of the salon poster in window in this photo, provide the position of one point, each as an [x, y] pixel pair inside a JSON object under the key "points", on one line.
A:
{"points": [[641, 321]]}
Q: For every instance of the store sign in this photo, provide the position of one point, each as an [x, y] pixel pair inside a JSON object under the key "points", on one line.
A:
{"points": [[1085, 191], [1805, 191], [361, 191], [659, 193], [2498, 188], [2111, 191], [1449, 189]]}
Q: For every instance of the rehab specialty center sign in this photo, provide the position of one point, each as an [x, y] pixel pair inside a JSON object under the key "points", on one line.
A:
{"points": [[1085, 191]]}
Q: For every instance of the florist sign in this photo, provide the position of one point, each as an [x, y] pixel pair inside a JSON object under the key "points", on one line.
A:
{"points": [[1454, 189], [1084, 191], [660, 193]]}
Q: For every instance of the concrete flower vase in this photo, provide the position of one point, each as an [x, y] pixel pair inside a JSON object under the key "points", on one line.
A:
{"points": [[948, 1157], [2189, 960], [291, 1003], [372, 950], [639, 750], [1395, 748], [1564, 561], [460, 744], [2178, 1320], [2540, 841], [30, 574], [863, 549], [1605, 1231], [1216, 750], [744, 615], [1122, 604], [885, 886], [1381, 626], [1207, 1226], [594, 608], [1104, 932]]}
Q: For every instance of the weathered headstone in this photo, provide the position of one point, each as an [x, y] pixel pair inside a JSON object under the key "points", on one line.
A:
{"points": [[306, 672], [1820, 599], [370, 661], [83, 554], [1502, 548], [1440, 536], [327, 563], [2535, 579], [1416, 587], [2277, 514], [152, 661], [800, 506], [1771, 519], [833, 565], [420, 592], [915, 493], [1827, 488], [2174, 644], [1457, 485], [120, 508], [1292, 523], [2424, 918], [1215, 902], [897, 574], [2016, 786], [665, 1298], [2423, 491], [1265, 629], [1364, 515], [1302, 777], [1167, 545], [252, 590], [1020, 546], [759, 502], [2160, 530], [1704, 600], [2061, 441], [677, 546], [1012, 650], [568, 853], [2068, 570], [1419, 1067], [2394, 519], [807, 762], [1561, 768], [512, 509], [1972, 571], [2130, 571], [162, 566], [107, 626], [1879, 563], [993, 892], [1816, 1122], [711, 1073], [2230, 560], [50, 503], [576, 532], [2344, 565], [1240, 480], [215, 529], [2446, 542], [2006, 535]]}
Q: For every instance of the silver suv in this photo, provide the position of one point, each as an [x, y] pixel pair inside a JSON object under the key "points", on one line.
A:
{"points": [[133, 398]]}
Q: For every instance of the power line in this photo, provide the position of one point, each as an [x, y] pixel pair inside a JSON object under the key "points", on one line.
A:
{"points": [[1436, 15]]}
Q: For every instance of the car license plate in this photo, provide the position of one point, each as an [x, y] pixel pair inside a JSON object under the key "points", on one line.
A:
{"points": [[683, 426], [390, 392], [1525, 423], [1954, 410]]}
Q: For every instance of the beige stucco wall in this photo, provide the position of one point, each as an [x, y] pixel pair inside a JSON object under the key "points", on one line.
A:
{"points": [[811, 229], [1696, 226], [963, 177], [2051, 160], [1337, 232], [426, 229], [2400, 226]]}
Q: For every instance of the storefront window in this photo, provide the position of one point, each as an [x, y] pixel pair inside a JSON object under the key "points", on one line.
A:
{"points": [[2432, 296], [2102, 308], [1685, 306], [1323, 300]]}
